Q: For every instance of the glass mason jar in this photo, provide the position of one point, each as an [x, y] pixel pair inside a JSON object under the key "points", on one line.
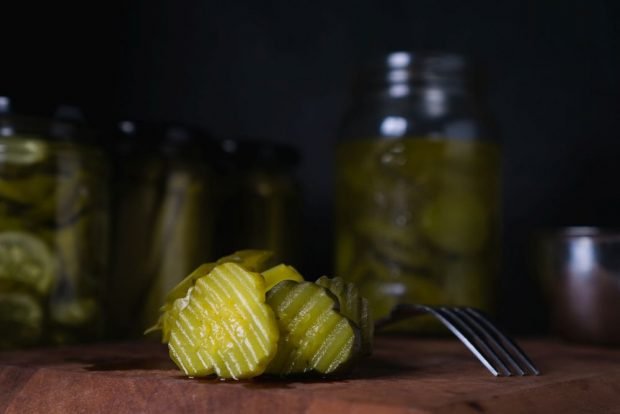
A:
{"points": [[259, 198], [162, 218], [417, 187], [53, 225]]}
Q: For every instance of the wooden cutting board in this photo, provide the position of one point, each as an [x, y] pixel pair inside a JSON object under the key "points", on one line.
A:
{"points": [[404, 376]]}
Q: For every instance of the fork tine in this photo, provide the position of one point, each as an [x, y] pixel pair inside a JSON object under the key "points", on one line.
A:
{"points": [[507, 342], [491, 340], [468, 325], [480, 341], [471, 341]]}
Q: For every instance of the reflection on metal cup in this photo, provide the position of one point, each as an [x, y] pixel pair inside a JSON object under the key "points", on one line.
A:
{"points": [[580, 267]]}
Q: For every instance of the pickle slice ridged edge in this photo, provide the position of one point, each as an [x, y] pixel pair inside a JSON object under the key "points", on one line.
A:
{"points": [[226, 328], [354, 306], [314, 336], [181, 293], [252, 260]]}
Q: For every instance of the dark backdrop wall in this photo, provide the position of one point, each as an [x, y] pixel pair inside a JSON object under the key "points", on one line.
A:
{"points": [[281, 69]]}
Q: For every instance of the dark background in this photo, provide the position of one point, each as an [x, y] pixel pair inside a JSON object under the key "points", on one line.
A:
{"points": [[281, 70]]}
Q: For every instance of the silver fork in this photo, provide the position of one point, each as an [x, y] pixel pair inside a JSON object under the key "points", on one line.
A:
{"points": [[497, 352]]}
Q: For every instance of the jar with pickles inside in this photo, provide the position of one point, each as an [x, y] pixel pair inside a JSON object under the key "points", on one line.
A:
{"points": [[162, 210], [53, 223], [418, 187]]}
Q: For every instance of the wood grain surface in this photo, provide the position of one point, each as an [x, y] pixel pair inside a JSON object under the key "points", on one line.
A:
{"points": [[404, 376]]}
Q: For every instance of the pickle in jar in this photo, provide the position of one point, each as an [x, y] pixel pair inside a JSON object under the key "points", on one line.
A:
{"points": [[52, 246], [174, 246], [406, 207], [456, 222], [16, 153], [25, 263]]}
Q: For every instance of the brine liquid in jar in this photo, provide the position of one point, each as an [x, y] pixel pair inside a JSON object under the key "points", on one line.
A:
{"points": [[417, 220], [53, 225]]}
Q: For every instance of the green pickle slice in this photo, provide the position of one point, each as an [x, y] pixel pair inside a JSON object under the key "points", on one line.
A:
{"points": [[186, 284], [252, 260], [25, 261], [279, 273], [353, 306], [224, 326], [229, 320], [314, 336], [170, 310]]}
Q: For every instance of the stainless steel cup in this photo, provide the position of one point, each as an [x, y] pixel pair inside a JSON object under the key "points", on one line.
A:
{"points": [[580, 269]]}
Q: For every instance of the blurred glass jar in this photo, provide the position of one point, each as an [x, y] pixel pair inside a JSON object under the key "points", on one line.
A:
{"points": [[417, 187], [162, 218], [53, 226], [259, 198]]}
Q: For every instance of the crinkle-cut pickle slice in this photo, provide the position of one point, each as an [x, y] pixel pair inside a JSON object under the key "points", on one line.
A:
{"points": [[314, 337], [225, 328], [279, 273], [353, 306], [253, 260], [172, 306], [180, 290]]}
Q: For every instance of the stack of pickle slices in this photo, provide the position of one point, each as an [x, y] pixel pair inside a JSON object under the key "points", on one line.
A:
{"points": [[240, 317]]}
